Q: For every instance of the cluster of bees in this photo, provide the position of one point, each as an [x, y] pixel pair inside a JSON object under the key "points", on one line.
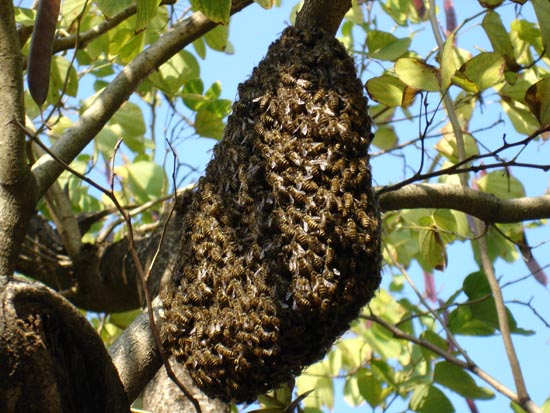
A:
{"points": [[280, 247]]}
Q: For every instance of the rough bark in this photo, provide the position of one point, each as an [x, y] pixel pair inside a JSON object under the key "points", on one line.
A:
{"points": [[16, 188], [322, 14], [51, 359]]}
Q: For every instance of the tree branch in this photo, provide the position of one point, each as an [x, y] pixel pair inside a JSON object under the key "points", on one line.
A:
{"points": [[322, 14], [16, 184], [75, 139], [486, 207]]}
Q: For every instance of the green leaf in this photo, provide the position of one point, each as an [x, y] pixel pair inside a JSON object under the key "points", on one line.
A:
{"points": [[417, 73], [386, 89], [146, 11], [449, 62], [523, 120], [385, 46], [63, 79], [542, 10], [123, 320], [109, 7], [501, 184], [209, 124], [385, 137], [352, 394], [200, 47], [146, 179], [128, 123], [447, 146], [432, 249], [266, 4], [537, 98], [176, 72], [24, 16], [369, 387], [499, 38], [459, 381], [316, 377], [484, 70], [216, 10], [429, 399], [434, 339], [217, 38]]}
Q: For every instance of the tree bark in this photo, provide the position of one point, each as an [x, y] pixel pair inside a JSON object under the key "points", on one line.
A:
{"points": [[51, 359], [322, 14], [16, 185]]}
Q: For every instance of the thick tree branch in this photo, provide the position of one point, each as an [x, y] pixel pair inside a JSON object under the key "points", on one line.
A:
{"points": [[16, 182], [322, 14], [135, 354], [486, 207], [103, 278], [74, 139]]}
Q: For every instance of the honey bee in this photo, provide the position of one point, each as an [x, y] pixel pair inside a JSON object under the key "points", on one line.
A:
{"points": [[240, 107], [310, 223], [348, 200], [334, 185], [351, 230], [297, 195], [315, 246], [302, 302], [288, 79], [279, 163], [301, 237], [307, 84], [225, 352], [304, 97], [324, 58], [267, 119], [364, 219], [330, 256], [319, 95]]}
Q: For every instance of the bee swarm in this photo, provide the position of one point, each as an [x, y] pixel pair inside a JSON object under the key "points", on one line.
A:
{"points": [[280, 248]]}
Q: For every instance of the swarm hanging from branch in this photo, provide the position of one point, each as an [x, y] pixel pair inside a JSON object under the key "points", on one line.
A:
{"points": [[280, 248]]}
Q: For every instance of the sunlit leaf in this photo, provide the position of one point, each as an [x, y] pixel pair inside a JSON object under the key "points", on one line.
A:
{"points": [[176, 72], [417, 73], [369, 387], [386, 89], [429, 399], [217, 38], [523, 120], [432, 249], [216, 10], [449, 63], [123, 320], [542, 10], [484, 70], [146, 11], [499, 38], [459, 381], [266, 4], [208, 124], [385, 137], [385, 46], [537, 98], [109, 7], [501, 184], [145, 179]]}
